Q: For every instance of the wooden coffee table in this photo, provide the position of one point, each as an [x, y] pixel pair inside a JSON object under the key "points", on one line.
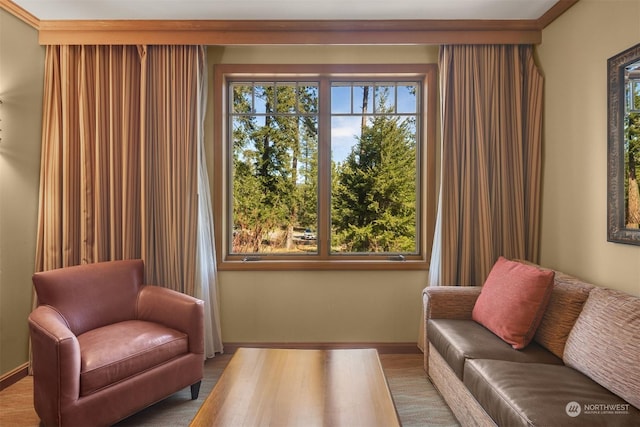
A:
{"points": [[277, 387]]}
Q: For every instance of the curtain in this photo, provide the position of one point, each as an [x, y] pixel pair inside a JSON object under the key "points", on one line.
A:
{"points": [[206, 270], [491, 109], [491, 162], [121, 174]]}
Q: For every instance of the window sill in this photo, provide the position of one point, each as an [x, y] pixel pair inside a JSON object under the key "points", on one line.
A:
{"points": [[289, 265]]}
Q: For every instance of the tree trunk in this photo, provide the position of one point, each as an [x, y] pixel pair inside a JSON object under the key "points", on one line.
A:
{"points": [[633, 204], [365, 105]]}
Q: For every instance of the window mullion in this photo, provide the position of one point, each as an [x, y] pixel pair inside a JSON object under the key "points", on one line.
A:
{"points": [[324, 169]]}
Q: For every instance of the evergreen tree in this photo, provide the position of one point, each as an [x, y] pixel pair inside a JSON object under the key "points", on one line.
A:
{"points": [[269, 150], [632, 166], [374, 206]]}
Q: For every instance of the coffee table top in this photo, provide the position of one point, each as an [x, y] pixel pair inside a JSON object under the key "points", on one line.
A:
{"points": [[279, 387]]}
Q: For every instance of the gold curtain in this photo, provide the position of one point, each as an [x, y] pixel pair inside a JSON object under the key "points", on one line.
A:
{"points": [[491, 161], [120, 166], [90, 153], [171, 166]]}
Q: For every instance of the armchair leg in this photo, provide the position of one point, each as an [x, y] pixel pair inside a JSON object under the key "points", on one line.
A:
{"points": [[195, 390]]}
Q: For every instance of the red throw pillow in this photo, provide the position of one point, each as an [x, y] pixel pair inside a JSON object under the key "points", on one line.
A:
{"points": [[513, 300]]}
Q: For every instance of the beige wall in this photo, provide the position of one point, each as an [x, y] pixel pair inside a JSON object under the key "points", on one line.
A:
{"points": [[350, 306], [293, 306], [573, 57], [313, 306], [21, 80]]}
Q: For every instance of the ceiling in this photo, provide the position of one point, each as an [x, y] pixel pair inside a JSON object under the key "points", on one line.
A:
{"points": [[44, 10]]}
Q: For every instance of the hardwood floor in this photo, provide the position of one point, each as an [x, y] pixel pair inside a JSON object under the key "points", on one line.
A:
{"points": [[16, 405]]}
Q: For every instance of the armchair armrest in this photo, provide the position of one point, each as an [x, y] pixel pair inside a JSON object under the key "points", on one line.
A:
{"points": [[56, 361], [175, 310]]}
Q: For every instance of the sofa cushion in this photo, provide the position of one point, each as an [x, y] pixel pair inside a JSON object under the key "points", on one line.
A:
{"points": [[513, 300], [567, 298], [604, 343], [458, 340], [116, 352], [531, 394]]}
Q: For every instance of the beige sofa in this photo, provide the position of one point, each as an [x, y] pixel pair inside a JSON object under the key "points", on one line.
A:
{"points": [[582, 367]]}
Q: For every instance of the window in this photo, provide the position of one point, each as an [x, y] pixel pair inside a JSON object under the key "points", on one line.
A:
{"points": [[324, 166]]}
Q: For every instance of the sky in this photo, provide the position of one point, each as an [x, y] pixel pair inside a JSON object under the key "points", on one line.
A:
{"points": [[346, 107], [348, 100]]}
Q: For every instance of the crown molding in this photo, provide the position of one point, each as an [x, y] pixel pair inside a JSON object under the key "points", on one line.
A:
{"points": [[290, 32], [20, 13], [554, 12]]}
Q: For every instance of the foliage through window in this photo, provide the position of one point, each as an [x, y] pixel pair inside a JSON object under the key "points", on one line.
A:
{"points": [[324, 167], [632, 146], [274, 134]]}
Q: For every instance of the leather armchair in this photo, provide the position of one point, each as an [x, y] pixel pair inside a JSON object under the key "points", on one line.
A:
{"points": [[106, 346]]}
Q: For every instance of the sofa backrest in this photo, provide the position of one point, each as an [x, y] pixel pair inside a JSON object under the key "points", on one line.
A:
{"points": [[89, 296], [605, 341], [567, 299]]}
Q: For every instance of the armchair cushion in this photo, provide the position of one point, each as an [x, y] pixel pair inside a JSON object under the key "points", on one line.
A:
{"points": [[116, 352]]}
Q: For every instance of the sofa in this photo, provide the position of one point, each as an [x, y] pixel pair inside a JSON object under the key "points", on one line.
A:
{"points": [[580, 368], [106, 345]]}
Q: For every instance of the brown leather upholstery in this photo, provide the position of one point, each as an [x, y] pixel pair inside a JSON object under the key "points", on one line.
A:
{"points": [[460, 340], [519, 394], [106, 346]]}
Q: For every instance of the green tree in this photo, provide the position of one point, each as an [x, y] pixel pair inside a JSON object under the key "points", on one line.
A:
{"points": [[632, 167], [269, 150], [374, 206], [251, 146], [307, 183]]}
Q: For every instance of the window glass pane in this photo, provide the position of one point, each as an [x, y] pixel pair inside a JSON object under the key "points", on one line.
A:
{"points": [[407, 99], [385, 98], [242, 98], [263, 99], [286, 98], [374, 206], [308, 98], [340, 99], [275, 179], [363, 98], [635, 102]]}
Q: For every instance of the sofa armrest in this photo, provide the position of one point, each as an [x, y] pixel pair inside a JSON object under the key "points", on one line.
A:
{"points": [[445, 302], [449, 302], [55, 363], [174, 310]]}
